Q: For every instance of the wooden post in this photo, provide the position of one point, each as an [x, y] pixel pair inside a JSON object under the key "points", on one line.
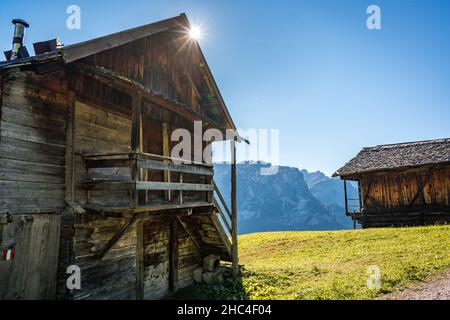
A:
{"points": [[136, 143], [70, 137], [166, 153], [140, 261], [136, 125], [234, 209], [346, 197], [181, 191], [173, 255]]}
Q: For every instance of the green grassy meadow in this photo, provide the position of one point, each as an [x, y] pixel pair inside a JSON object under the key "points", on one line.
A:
{"points": [[333, 265]]}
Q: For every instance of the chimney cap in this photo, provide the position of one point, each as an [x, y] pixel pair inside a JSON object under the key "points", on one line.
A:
{"points": [[25, 24]]}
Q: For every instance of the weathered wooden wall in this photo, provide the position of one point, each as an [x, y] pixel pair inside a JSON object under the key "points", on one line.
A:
{"points": [[103, 125], [112, 277], [32, 272], [397, 190], [33, 116], [158, 63], [116, 275], [32, 145], [98, 131], [406, 198]]}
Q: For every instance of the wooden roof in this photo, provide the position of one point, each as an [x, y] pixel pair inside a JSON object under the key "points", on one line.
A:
{"points": [[76, 52], [397, 156]]}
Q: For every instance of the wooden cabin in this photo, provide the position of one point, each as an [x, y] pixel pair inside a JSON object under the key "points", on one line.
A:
{"points": [[405, 184], [86, 173]]}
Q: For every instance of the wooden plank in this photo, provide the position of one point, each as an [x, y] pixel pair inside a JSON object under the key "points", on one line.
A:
{"points": [[32, 273], [16, 149], [12, 130], [110, 163], [140, 260], [120, 233], [223, 238], [234, 235], [173, 256], [136, 143], [154, 209], [70, 136], [15, 170], [136, 124], [143, 185], [190, 234], [222, 200], [48, 121], [110, 185], [167, 166], [224, 219], [81, 50], [166, 153]]}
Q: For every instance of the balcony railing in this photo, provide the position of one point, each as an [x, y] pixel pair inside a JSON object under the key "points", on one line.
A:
{"points": [[152, 182]]}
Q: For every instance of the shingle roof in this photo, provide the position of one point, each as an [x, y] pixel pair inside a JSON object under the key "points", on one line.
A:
{"points": [[398, 156]]}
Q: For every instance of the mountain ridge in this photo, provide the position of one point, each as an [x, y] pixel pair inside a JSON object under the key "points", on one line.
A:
{"points": [[283, 201]]}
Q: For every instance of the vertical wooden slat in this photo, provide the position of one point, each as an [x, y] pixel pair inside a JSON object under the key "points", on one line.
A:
{"points": [[181, 191], [140, 260], [70, 134], [166, 153], [173, 256], [346, 197], [136, 142], [136, 125], [234, 209]]}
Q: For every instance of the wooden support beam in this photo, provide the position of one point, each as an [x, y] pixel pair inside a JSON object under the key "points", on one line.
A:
{"points": [[117, 237], [189, 233], [136, 125], [180, 196], [136, 143], [422, 184], [346, 197], [234, 236], [173, 256], [140, 260], [166, 153], [70, 135]]}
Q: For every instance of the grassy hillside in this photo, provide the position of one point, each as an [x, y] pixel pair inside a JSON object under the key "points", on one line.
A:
{"points": [[333, 265]]}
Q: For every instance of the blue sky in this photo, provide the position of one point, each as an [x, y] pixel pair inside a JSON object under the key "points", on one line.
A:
{"points": [[309, 68]]}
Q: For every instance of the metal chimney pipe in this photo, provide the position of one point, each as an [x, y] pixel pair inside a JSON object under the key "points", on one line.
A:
{"points": [[19, 33]]}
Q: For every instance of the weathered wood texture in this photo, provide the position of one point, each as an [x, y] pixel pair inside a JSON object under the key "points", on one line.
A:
{"points": [[158, 64], [32, 145], [406, 198], [401, 190], [117, 275], [112, 277], [158, 263], [100, 131], [32, 273]]}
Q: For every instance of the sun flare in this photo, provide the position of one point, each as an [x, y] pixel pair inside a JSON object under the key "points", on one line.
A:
{"points": [[195, 33]]}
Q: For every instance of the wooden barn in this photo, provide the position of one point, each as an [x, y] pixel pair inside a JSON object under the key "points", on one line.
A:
{"points": [[405, 184], [86, 173]]}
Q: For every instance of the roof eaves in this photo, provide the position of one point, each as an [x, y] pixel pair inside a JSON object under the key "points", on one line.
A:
{"points": [[83, 49]]}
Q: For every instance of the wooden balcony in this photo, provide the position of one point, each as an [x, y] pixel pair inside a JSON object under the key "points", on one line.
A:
{"points": [[148, 183]]}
